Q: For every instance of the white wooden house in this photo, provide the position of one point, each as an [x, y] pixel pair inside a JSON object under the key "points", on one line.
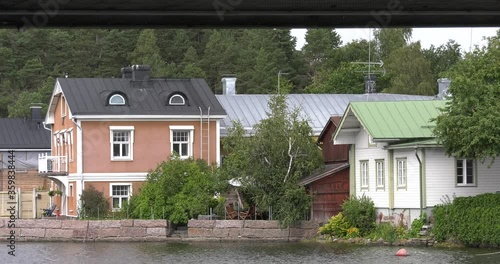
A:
{"points": [[397, 162]]}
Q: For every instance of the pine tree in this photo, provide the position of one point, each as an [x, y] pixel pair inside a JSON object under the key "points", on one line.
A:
{"points": [[147, 52]]}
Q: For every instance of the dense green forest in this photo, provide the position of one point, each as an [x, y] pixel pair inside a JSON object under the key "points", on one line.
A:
{"points": [[30, 60]]}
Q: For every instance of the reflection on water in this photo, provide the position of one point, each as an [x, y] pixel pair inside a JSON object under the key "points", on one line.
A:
{"points": [[236, 252]]}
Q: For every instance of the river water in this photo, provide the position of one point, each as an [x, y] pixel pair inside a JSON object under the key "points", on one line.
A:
{"points": [[237, 252]]}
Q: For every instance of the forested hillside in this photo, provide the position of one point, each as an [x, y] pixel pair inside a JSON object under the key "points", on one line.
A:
{"points": [[31, 60]]}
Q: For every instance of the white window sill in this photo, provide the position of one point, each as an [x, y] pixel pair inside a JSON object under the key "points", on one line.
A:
{"points": [[122, 159], [467, 185]]}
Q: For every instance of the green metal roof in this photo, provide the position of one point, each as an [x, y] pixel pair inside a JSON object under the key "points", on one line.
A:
{"points": [[415, 144], [398, 120]]}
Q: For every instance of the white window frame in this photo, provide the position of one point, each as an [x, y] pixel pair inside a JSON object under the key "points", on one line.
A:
{"points": [[56, 143], [120, 203], [380, 173], [190, 130], [174, 96], [464, 182], [130, 129], [117, 95], [69, 141], [63, 106], [401, 172], [364, 174]]}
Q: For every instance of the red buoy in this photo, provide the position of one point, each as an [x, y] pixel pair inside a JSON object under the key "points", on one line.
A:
{"points": [[402, 253]]}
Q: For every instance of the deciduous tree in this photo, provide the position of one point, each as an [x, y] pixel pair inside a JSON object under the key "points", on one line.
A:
{"points": [[469, 124], [271, 161]]}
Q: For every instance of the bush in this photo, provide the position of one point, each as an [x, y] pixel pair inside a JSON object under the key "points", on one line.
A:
{"points": [[94, 204], [179, 189], [416, 226], [388, 232], [337, 226], [360, 213], [473, 221]]}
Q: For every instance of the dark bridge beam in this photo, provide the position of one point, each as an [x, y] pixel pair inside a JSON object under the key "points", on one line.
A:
{"points": [[249, 13]]}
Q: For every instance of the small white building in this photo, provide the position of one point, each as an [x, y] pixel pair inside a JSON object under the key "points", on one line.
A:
{"points": [[396, 161]]}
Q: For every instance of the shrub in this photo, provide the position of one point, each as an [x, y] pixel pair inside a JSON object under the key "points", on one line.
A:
{"points": [[179, 189], [360, 213], [474, 221], [94, 204], [352, 232], [416, 226], [388, 232], [337, 226]]}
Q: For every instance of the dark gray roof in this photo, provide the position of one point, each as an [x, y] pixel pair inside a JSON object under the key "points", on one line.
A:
{"points": [[249, 109], [19, 133], [88, 96]]}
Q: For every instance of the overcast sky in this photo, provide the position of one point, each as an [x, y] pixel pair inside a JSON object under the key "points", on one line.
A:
{"points": [[466, 37]]}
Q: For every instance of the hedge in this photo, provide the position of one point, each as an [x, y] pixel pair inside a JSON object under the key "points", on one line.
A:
{"points": [[474, 221]]}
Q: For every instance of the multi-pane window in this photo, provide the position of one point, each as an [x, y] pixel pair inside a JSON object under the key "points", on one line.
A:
{"points": [[401, 172], [182, 139], [180, 143], [379, 170], [364, 173], [120, 195], [121, 144], [465, 172], [122, 139]]}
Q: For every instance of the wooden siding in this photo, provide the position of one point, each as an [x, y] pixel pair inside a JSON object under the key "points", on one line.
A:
{"points": [[328, 195], [408, 197], [440, 178], [60, 123], [380, 197], [333, 153]]}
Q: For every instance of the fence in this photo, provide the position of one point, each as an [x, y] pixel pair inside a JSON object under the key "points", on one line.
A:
{"points": [[29, 204]]}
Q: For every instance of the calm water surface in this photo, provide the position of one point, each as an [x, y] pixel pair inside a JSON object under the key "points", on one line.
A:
{"points": [[237, 252]]}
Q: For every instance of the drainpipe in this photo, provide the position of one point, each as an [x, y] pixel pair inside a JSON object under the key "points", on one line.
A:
{"points": [[201, 133], [81, 175], [420, 179], [43, 123]]}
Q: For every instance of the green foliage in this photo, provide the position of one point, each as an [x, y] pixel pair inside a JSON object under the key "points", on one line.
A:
{"points": [[416, 226], [94, 204], [338, 226], [409, 72], [468, 125], [390, 39], [270, 163], [388, 232], [182, 189], [255, 56], [346, 79], [443, 58], [353, 232], [319, 47], [473, 221], [360, 213]]}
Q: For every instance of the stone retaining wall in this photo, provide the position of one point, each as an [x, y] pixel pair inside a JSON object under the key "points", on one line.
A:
{"points": [[250, 230], [87, 230], [153, 230]]}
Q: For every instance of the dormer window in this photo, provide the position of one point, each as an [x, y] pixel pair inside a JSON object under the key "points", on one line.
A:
{"points": [[177, 99], [117, 99]]}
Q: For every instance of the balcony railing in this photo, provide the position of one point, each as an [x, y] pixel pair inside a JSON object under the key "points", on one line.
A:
{"points": [[55, 165]]}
